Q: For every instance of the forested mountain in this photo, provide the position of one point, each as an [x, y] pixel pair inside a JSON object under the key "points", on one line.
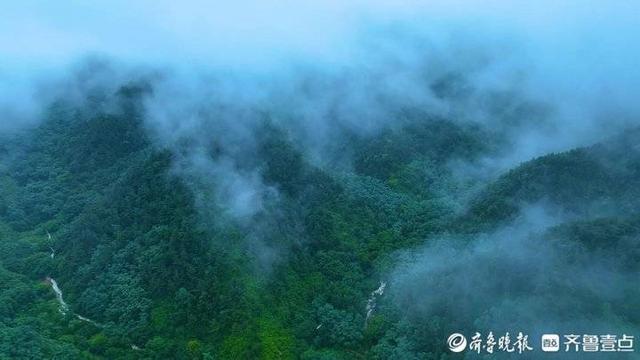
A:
{"points": [[155, 262]]}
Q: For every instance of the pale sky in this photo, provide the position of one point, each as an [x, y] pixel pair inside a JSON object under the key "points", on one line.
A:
{"points": [[584, 49], [256, 32]]}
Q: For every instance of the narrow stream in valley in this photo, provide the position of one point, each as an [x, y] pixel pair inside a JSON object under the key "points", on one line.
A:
{"points": [[63, 307], [371, 302]]}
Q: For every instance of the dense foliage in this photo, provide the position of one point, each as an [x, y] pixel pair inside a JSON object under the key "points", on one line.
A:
{"points": [[160, 277]]}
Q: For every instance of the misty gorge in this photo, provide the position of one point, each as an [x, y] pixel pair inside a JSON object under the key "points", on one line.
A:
{"points": [[358, 180]]}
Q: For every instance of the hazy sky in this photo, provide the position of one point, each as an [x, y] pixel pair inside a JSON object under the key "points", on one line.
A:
{"points": [[253, 32], [584, 52]]}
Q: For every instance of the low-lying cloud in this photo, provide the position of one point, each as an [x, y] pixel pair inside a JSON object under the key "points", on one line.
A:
{"points": [[520, 277], [542, 77]]}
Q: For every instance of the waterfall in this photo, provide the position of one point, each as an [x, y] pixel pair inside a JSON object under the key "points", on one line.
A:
{"points": [[82, 318], [53, 252], [64, 308], [371, 302], [63, 305]]}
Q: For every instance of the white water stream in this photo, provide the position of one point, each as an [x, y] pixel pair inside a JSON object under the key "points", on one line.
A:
{"points": [[371, 303], [64, 308], [53, 252], [63, 305]]}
